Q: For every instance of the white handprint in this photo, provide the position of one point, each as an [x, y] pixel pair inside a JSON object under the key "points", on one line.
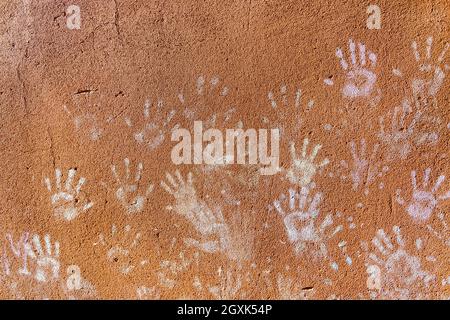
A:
{"points": [[363, 169], [46, 259], [303, 168], [360, 77], [126, 190], [306, 231], [441, 232], [206, 222], [88, 120], [429, 85], [206, 93], [393, 271], [120, 247], [300, 220], [423, 200], [154, 130], [68, 202], [399, 138], [287, 109]]}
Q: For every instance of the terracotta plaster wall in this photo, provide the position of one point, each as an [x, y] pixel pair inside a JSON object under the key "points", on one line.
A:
{"points": [[360, 208]]}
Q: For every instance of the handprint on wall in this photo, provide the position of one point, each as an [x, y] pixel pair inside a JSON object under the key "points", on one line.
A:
{"points": [[120, 245], [441, 231], [126, 192], [208, 223], [156, 127], [303, 168], [393, 272], [68, 202], [423, 200], [404, 134], [432, 71], [46, 258], [364, 169], [88, 121], [360, 75], [287, 111], [308, 232]]}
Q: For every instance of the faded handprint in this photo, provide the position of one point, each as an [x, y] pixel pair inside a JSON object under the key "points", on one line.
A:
{"points": [[206, 222], [289, 289], [171, 269], [19, 251], [434, 73], [393, 272], [88, 120], [47, 258], [300, 220], [287, 109], [360, 76], [442, 232], [399, 138], [156, 125], [229, 287], [68, 202], [199, 99], [120, 246], [363, 169], [126, 189], [423, 200], [303, 168]]}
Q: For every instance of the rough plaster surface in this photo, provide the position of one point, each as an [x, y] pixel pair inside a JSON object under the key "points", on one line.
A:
{"points": [[73, 101]]}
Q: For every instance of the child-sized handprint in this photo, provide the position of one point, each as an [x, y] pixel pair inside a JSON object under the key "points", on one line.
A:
{"points": [[67, 201], [399, 139], [121, 247], [309, 233], [423, 200], [360, 74], [364, 169], [126, 188], [300, 220], [156, 126], [434, 73], [393, 272], [47, 258], [303, 168], [287, 108]]}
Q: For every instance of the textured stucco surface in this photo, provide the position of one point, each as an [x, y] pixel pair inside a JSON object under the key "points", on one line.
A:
{"points": [[74, 101]]}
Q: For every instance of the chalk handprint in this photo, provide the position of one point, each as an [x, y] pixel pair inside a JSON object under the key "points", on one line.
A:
{"points": [[67, 201], [423, 200], [360, 74], [434, 73], [126, 188], [303, 168], [210, 224], [47, 258]]}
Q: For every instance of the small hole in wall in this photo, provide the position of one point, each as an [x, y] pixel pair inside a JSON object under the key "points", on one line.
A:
{"points": [[116, 259]]}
